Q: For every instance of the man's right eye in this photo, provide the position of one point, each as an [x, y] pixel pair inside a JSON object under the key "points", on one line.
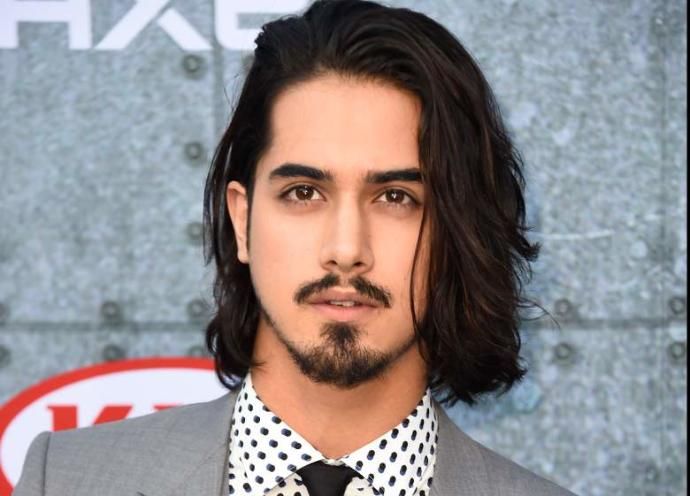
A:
{"points": [[302, 193]]}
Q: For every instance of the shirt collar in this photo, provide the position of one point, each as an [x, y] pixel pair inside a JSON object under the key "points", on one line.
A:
{"points": [[269, 451]]}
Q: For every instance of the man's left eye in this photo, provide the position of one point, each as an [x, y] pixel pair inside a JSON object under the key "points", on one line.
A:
{"points": [[397, 196]]}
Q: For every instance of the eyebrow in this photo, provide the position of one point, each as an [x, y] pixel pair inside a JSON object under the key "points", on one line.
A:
{"points": [[289, 170], [406, 175]]}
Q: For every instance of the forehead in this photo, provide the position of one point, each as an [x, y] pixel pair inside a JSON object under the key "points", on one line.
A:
{"points": [[347, 126]]}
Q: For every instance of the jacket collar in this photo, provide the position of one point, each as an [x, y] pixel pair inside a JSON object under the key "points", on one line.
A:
{"points": [[198, 457], [460, 467], [193, 458]]}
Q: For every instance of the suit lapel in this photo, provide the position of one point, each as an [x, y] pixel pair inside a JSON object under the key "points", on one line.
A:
{"points": [[208, 478], [194, 461], [460, 468]]}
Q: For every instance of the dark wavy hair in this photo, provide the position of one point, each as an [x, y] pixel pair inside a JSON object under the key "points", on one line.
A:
{"points": [[469, 333]]}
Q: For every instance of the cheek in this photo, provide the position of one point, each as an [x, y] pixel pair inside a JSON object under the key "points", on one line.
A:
{"points": [[279, 252], [270, 236], [394, 251], [421, 275]]}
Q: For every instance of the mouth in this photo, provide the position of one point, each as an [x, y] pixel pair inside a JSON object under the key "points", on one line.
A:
{"points": [[344, 310]]}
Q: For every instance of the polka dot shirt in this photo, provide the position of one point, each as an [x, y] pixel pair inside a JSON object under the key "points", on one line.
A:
{"points": [[265, 453]]}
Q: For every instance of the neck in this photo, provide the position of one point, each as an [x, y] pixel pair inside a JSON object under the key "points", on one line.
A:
{"points": [[324, 414]]}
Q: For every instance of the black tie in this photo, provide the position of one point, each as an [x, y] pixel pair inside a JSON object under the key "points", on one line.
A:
{"points": [[322, 479]]}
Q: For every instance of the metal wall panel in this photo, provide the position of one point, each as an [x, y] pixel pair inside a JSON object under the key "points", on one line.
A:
{"points": [[103, 156]]}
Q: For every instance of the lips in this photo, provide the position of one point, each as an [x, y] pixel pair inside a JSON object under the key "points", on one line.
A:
{"points": [[343, 314], [343, 305], [342, 299]]}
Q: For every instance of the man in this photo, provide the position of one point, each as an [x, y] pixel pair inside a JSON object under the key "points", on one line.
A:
{"points": [[364, 210]]}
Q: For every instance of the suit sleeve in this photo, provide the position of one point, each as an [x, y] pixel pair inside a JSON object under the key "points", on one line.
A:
{"points": [[32, 480]]}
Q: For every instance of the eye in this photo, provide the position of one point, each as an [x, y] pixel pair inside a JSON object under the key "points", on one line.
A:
{"points": [[302, 193], [398, 197]]}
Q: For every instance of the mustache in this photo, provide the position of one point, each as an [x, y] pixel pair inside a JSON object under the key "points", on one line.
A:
{"points": [[359, 283]]}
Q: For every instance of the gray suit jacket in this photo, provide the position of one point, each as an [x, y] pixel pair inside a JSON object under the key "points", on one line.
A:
{"points": [[183, 451]]}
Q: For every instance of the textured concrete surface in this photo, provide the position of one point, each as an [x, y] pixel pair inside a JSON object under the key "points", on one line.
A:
{"points": [[602, 411], [103, 156]]}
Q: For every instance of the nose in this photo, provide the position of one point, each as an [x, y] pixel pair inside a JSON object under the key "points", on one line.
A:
{"points": [[346, 247]]}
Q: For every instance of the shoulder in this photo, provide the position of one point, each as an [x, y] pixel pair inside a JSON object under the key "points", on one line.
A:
{"points": [[184, 435], [465, 465], [511, 479]]}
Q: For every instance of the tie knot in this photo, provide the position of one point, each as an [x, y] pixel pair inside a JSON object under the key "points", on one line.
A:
{"points": [[323, 479]]}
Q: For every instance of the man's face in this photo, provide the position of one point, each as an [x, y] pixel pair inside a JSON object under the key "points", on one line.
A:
{"points": [[335, 217]]}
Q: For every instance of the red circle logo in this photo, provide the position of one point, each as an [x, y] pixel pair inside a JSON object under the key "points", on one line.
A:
{"points": [[96, 394]]}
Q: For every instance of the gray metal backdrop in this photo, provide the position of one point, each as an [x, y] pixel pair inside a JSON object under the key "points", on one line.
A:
{"points": [[106, 133]]}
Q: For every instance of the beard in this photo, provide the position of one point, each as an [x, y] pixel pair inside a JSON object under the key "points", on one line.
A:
{"points": [[340, 359]]}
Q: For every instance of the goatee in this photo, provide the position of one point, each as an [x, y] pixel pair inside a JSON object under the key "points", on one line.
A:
{"points": [[340, 360]]}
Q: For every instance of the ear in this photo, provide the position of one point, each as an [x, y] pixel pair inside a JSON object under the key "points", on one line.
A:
{"points": [[236, 200]]}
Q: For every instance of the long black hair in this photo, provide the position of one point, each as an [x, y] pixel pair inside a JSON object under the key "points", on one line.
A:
{"points": [[469, 333]]}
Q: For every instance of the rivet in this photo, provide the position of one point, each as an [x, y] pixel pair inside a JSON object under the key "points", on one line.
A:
{"points": [[677, 305], [677, 350], [563, 307], [639, 249], [4, 312], [563, 352], [195, 231], [5, 355], [193, 151], [111, 312], [197, 351], [651, 473], [527, 396], [113, 352], [193, 65], [196, 309]]}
